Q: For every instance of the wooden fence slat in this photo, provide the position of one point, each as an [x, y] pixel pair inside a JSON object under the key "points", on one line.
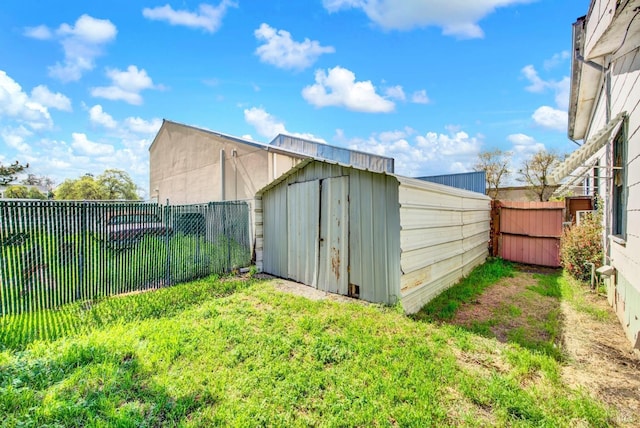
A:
{"points": [[528, 232]]}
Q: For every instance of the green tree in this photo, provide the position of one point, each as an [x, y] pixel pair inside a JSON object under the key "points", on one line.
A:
{"points": [[118, 185], [535, 173], [16, 192], [110, 185], [495, 164], [83, 188], [34, 193], [8, 173]]}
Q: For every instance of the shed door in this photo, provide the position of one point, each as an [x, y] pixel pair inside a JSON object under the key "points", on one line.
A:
{"points": [[303, 230], [334, 236]]}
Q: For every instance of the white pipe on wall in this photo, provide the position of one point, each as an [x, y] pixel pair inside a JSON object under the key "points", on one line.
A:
{"points": [[222, 180]]}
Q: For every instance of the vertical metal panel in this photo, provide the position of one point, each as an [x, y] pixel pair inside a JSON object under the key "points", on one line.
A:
{"points": [[334, 236], [373, 236], [473, 181], [303, 230]]}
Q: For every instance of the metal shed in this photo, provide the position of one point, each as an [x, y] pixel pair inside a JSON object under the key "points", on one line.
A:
{"points": [[371, 235]]}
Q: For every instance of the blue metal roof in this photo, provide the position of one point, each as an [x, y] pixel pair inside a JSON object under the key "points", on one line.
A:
{"points": [[474, 181]]}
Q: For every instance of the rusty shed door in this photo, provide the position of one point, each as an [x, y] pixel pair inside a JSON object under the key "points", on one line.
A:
{"points": [[303, 230], [333, 274]]}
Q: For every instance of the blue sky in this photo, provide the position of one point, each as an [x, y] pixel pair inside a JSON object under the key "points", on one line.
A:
{"points": [[84, 85]]}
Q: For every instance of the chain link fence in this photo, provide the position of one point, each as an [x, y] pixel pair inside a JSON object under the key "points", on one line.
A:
{"points": [[53, 253]]}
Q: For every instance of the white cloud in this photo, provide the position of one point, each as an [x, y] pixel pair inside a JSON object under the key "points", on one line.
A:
{"points": [[41, 32], [340, 88], [141, 126], [524, 144], [15, 137], [130, 127], [420, 97], [82, 43], [125, 85], [264, 123], [537, 84], [83, 146], [17, 105], [556, 60], [420, 155], [98, 117], [395, 92], [551, 118], [282, 51], [546, 116], [456, 18], [42, 95], [208, 17], [269, 126]]}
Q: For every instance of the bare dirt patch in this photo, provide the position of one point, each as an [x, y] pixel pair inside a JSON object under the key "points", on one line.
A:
{"points": [[602, 360], [598, 356]]}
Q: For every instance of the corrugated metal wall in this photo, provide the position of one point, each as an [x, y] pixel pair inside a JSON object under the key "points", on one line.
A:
{"points": [[337, 154], [374, 229], [444, 235], [473, 181], [402, 232]]}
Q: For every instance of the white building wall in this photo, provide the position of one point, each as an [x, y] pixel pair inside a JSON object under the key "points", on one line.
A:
{"points": [[624, 255]]}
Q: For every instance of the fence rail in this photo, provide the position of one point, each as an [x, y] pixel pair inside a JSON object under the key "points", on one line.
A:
{"points": [[53, 253]]}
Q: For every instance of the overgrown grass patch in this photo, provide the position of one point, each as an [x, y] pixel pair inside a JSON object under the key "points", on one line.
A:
{"points": [[445, 305], [247, 355], [17, 331]]}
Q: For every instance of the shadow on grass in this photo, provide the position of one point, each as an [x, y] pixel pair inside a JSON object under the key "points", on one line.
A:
{"points": [[524, 310], [87, 384], [17, 331]]}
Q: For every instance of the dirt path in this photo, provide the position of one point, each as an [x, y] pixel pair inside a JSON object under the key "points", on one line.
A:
{"points": [[599, 356], [602, 360]]}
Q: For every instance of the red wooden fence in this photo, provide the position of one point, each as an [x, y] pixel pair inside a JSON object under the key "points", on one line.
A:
{"points": [[527, 232]]}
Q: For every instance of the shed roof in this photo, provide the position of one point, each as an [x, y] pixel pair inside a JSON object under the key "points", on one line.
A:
{"points": [[407, 181]]}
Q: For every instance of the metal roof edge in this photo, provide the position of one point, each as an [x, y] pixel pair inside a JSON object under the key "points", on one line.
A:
{"points": [[258, 144], [329, 145], [442, 188], [414, 182]]}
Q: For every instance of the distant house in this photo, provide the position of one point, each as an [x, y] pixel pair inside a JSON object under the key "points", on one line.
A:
{"points": [[604, 113], [193, 165], [522, 193]]}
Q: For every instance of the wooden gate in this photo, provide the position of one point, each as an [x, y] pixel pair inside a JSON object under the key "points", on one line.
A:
{"points": [[527, 232]]}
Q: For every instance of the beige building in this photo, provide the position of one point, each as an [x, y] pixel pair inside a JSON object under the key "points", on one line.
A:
{"points": [[190, 165]]}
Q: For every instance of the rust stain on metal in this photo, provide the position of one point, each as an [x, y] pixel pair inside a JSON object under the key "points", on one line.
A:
{"points": [[335, 262]]}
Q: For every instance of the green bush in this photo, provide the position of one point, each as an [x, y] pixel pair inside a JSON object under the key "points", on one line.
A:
{"points": [[582, 244]]}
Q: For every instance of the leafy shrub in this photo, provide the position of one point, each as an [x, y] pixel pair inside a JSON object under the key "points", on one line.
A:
{"points": [[582, 244]]}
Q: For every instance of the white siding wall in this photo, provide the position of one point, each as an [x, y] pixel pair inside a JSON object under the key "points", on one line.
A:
{"points": [[444, 235], [625, 96]]}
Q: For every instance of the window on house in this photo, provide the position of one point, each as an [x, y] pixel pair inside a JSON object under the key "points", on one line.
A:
{"points": [[619, 226]]}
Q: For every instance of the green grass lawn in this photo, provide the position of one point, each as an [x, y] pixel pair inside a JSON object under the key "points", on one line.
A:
{"points": [[232, 353]]}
